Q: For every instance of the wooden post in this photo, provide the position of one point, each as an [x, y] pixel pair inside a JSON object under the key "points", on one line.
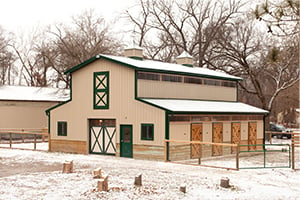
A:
{"points": [[237, 156], [183, 188], [103, 184], [68, 166], [10, 140], [49, 142], [225, 182], [97, 173], [44, 132], [166, 159], [22, 138], [34, 147], [293, 151], [200, 152], [138, 180]]}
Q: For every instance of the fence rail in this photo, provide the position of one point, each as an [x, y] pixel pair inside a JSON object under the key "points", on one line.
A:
{"points": [[17, 136], [235, 155]]}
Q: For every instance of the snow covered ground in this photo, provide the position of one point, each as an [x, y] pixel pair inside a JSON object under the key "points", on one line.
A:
{"points": [[26, 174]]}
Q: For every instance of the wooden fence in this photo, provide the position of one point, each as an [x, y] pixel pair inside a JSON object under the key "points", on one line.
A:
{"points": [[18, 136], [182, 152], [295, 144]]}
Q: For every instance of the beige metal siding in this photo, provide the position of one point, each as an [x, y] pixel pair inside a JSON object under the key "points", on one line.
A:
{"points": [[180, 131], [122, 106], [24, 114], [163, 89], [226, 132]]}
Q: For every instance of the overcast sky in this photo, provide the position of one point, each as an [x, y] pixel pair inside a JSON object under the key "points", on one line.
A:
{"points": [[17, 15]]}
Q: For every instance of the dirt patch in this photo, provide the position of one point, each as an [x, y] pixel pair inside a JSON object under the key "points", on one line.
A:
{"points": [[14, 168]]}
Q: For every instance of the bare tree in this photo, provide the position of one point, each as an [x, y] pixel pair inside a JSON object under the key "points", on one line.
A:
{"points": [[87, 36], [7, 58], [281, 17], [268, 70], [181, 25]]}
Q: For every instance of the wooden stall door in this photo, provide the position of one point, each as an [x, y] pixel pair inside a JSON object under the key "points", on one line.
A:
{"points": [[217, 138], [235, 134], [196, 136], [252, 135]]}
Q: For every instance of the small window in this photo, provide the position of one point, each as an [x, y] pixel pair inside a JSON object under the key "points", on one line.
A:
{"points": [[171, 78], [149, 76], [147, 132], [62, 128], [101, 90]]}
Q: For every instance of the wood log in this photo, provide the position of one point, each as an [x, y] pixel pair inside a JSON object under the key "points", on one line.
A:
{"points": [[68, 166], [97, 173], [182, 188], [103, 184], [225, 182], [138, 180]]}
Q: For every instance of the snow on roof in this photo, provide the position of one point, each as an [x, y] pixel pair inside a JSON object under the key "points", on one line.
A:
{"points": [[184, 54], [171, 67], [26, 93], [204, 106]]}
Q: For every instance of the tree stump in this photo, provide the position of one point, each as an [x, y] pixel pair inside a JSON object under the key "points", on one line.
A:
{"points": [[68, 166], [97, 173], [138, 180], [225, 182], [182, 188], [103, 184]]}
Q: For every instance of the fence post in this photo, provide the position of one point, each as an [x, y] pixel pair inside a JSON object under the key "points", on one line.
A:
{"points": [[200, 152], [293, 151], [10, 140], [237, 156], [166, 154], [34, 142]]}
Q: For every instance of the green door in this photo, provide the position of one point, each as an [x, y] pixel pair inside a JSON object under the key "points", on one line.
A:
{"points": [[126, 141]]}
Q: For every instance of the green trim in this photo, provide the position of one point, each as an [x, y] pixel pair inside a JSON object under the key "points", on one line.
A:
{"points": [[49, 120], [147, 134], [101, 90], [83, 64], [188, 65], [62, 128], [123, 154], [136, 84], [136, 57]]}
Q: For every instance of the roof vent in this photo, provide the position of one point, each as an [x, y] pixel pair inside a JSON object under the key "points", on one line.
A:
{"points": [[134, 52], [185, 59]]}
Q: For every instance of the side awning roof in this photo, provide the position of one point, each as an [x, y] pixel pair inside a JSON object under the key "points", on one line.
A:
{"points": [[198, 106]]}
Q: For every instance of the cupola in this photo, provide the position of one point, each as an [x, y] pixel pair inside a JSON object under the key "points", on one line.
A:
{"points": [[185, 59], [134, 52]]}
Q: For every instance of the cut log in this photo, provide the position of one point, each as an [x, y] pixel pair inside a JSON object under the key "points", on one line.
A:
{"points": [[68, 166], [97, 173], [182, 188], [103, 184], [225, 182], [138, 180]]}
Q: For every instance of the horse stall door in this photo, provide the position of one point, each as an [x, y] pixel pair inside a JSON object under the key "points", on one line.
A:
{"points": [[235, 135], [252, 136], [196, 136], [217, 138]]}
